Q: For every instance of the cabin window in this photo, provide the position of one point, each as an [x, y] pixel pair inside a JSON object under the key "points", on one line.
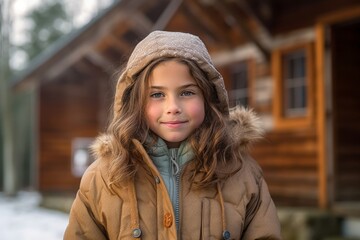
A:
{"points": [[293, 77], [239, 77], [81, 156], [294, 84]]}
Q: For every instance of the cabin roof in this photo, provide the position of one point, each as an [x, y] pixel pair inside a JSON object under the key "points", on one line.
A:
{"points": [[105, 42], [51, 51]]}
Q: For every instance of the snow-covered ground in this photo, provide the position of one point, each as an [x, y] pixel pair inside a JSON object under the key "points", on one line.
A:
{"points": [[22, 218]]}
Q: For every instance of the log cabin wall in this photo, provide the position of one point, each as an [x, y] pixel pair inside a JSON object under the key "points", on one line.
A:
{"points": [[291, 150], [71, 107], [288, 153], [289, 162], [289, 156]]}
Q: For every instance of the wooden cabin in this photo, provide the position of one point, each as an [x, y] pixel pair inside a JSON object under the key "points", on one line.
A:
{"points": [[296, 63]]}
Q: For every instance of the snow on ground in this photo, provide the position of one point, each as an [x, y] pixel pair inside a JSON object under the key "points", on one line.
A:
{"points": [[22, 218]]}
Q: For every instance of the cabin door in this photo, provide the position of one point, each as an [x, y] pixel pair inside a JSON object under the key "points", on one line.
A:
{"points": [[345, 51]]}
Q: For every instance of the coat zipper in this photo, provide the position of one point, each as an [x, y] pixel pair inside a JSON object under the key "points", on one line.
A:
{"points": [[176, 176], [177, 208]]}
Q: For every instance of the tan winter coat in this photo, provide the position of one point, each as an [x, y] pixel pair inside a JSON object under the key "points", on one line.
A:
{"points": [[142, 208], [242, 205]]}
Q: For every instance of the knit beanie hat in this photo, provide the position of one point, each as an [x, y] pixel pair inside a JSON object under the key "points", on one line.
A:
{"points": [[170, 44]]}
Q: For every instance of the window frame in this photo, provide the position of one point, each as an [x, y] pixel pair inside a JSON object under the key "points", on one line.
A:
{"points": [[249, 65], [281, 121]]}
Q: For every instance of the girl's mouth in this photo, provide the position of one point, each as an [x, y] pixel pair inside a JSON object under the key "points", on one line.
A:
{"points": [[174, 124]]}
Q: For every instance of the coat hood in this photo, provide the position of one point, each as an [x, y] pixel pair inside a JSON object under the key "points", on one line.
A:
{"points": [[170, 44], [243, 123]]}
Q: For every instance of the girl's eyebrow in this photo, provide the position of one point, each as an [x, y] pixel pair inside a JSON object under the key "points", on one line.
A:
{"points": [[181, 87]]}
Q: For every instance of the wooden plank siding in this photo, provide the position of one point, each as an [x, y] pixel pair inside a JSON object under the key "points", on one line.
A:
{"points": [[289, 162], [68, 109]]}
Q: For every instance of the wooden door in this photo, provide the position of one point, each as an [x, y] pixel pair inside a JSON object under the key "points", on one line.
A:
{"points": [[345, 50]]}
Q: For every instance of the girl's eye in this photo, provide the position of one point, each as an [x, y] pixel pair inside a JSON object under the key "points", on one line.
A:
{"points": [[187, 93], [156, 95]]}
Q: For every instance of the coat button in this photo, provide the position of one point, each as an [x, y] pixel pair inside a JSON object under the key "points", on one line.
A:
{"points": [[136, 232], [157, 180], [168, 220], [226, 235]]}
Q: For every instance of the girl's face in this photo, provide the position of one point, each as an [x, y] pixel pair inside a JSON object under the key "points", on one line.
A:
{"points": [[175, 104]]}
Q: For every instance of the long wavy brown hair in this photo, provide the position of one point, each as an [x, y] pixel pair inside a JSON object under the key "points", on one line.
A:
{"points": [[212, 142]]}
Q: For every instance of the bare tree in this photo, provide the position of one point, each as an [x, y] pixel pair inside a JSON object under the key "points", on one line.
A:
{"points": [[7, 158]]}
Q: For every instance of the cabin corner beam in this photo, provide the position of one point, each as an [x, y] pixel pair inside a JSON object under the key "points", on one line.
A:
{"points": [[265, 19], [214, 29], [227, 10], [168, 13]]}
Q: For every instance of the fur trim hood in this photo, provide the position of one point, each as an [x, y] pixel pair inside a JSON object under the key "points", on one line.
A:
{"points": [[244, 125]]}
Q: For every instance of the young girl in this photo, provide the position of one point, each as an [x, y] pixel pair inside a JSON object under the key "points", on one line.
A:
{"points": [[173, 163]]}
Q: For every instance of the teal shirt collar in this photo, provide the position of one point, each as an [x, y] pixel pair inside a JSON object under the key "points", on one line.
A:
{"points": [[161, 155]]}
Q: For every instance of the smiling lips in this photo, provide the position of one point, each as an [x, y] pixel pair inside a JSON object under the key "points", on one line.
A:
{"points": [[174, 124]]}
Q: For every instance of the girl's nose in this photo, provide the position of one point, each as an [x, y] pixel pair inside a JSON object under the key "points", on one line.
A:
{"points": [[173, 106]]}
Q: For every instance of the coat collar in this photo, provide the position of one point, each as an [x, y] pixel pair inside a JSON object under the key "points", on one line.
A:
{"points": [[161, 154]]}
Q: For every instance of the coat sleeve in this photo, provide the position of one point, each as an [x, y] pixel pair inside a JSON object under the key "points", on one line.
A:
{"points": [[83, 224], [261, 218]]}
